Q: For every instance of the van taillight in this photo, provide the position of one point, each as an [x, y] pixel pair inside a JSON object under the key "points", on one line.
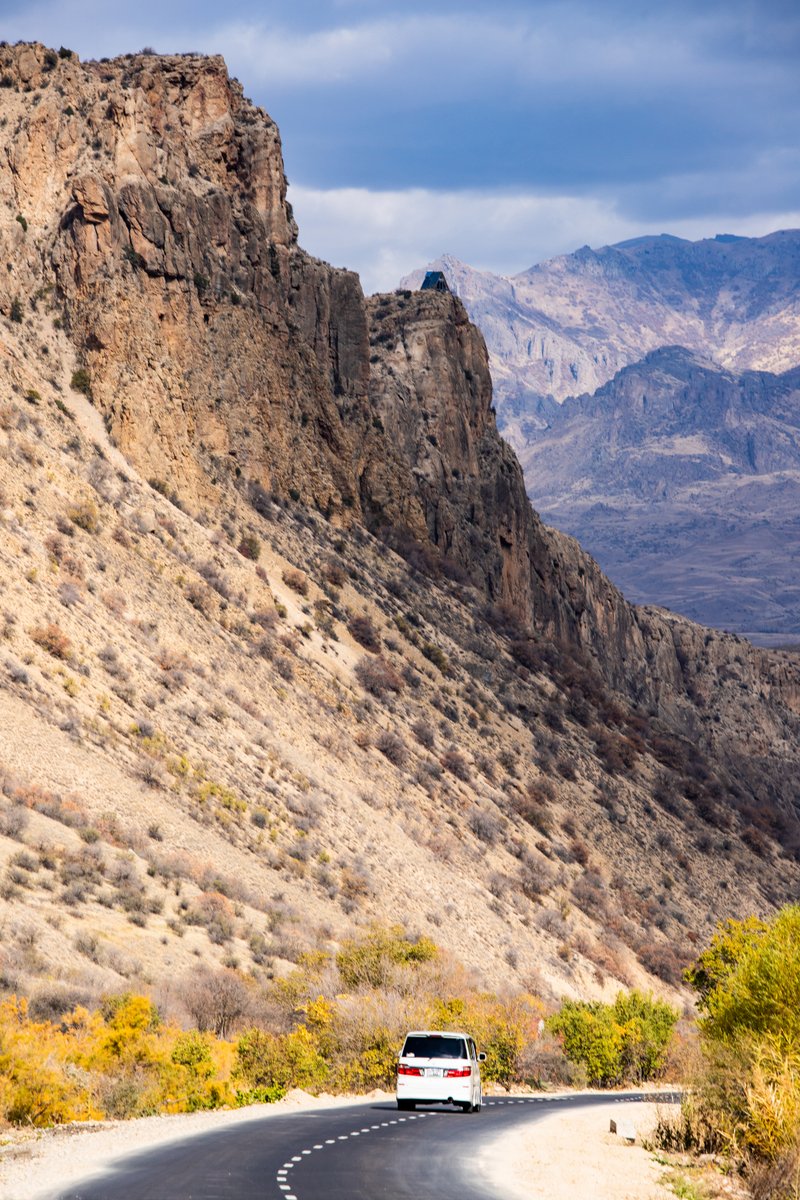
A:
{"points": [[457, 1073], [404, 1070]]}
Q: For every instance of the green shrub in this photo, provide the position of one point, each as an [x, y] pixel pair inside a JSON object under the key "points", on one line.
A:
{"points": [[81, 381], [258, 1095], [437, 656], [590, 1035], [624, 1040], [268, 1060], [371, 961], [192, 1050], [250, 547], [748, 1092]]}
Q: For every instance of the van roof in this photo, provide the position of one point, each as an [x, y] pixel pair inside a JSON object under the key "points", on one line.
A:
{"points": [[435, 1033]]}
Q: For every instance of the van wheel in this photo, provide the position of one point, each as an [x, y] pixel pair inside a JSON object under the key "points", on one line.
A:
{"points": [[467, 1107], [476, 1107], [406, 1105]]}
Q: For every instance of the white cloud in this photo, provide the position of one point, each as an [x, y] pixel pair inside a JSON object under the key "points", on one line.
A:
{"points": [[385, 235]]}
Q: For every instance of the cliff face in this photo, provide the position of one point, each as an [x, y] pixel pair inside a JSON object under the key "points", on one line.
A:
{"points": [[215, 347], [431, 389], [217, 350]]}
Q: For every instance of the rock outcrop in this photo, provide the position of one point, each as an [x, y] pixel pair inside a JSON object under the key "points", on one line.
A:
{"points": [[214, 347]]}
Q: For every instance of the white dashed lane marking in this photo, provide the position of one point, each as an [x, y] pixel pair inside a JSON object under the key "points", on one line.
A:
{"points": [[285, 1188]]}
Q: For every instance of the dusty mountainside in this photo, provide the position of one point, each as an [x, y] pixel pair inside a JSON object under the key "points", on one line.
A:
{"points": [[682, 479], [285, 649]]}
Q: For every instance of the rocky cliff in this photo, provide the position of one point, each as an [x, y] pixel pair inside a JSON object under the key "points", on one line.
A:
{"points": [[155, 203]]}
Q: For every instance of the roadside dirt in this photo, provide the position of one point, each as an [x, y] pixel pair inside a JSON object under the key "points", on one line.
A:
{"points": [[571, 1155]]}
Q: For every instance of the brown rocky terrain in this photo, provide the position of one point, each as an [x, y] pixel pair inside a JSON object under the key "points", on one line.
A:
{"points": [[284, 647]]}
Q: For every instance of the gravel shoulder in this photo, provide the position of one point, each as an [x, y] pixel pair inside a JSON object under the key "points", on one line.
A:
{"points": [[571, 1155]]}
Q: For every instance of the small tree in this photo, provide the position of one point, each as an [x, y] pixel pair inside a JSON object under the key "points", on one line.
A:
{"points": [[624, 1040], [215, 999], [269, 1061]]}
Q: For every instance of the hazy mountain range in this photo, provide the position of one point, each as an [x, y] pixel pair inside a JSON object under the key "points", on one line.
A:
{"points": [[680, 476]]}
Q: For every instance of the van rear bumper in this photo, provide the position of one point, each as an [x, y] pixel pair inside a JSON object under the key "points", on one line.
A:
{"points": [[433, 1091]]}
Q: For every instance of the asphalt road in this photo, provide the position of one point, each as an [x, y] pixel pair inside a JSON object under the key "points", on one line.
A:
{"points": [[361, 1152]]}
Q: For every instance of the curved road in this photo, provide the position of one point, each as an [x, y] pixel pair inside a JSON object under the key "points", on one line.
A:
{"points": [[361, 1152]]}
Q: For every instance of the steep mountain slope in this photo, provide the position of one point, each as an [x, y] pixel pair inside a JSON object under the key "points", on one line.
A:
{"points": [[566, 326], [285, 648], [684, 480]]}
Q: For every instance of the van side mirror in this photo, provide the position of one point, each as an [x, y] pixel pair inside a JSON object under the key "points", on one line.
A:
{"points": [[481, 1057]]}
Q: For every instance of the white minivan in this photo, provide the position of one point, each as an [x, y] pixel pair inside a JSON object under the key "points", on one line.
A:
{"points": [[439, 1068]]}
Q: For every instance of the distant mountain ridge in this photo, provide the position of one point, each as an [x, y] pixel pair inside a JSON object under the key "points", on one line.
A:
{"points": [[684, 480], [649, 389], [566, 326]]}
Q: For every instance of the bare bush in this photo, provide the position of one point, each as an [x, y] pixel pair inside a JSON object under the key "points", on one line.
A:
{"points": [[377, 676], [215, 999], [296, 580], [392, 746], [214, 911], [284, 667], [13, 820], [362, 628], [536, 878], [455, 762], [534, 807], [334, 574], [52, 639], [424, 733], [484, 825]]}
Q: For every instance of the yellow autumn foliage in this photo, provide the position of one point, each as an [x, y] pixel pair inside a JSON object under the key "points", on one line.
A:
{"points": [[117, 1062]]}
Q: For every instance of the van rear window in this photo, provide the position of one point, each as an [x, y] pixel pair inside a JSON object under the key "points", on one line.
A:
{"points": [[434, 1047]]}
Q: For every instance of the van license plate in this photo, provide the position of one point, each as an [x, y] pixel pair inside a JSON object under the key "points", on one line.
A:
{"points": [[433, 1072]]}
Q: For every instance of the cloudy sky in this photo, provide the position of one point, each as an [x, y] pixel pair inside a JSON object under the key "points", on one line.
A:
{"points": [[503, 132]]}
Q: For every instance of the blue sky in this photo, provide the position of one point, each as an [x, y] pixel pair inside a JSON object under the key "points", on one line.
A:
{"points": [[503, 132]]}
